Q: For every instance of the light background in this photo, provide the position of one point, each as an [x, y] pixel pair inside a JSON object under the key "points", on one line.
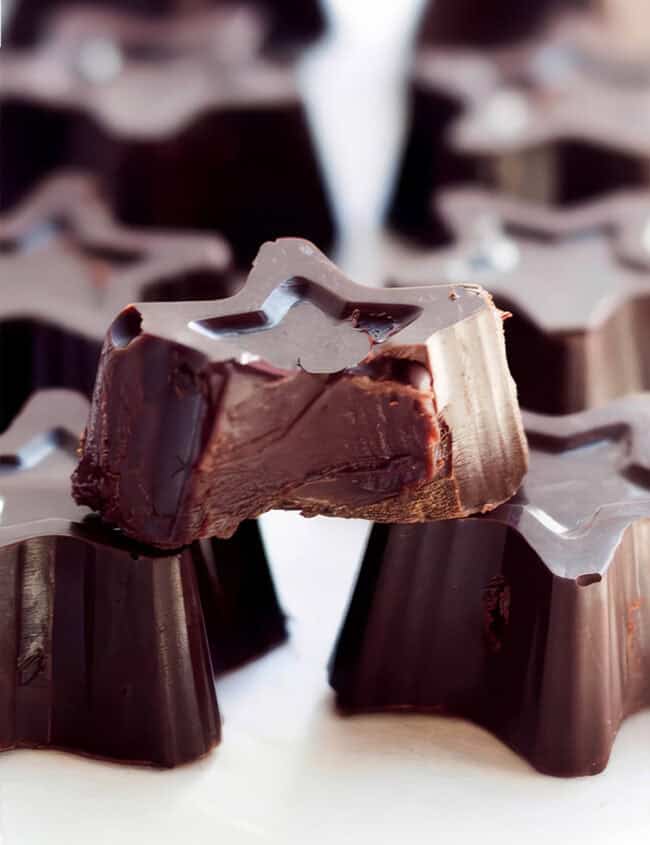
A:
{"points": [[289, 769]]}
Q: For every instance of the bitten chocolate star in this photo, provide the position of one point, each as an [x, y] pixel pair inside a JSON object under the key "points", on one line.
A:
{"points": [[576, 280], [533, 621], [186, 123], [303, 391], [559, 119], [67, 268], [103, 641]]}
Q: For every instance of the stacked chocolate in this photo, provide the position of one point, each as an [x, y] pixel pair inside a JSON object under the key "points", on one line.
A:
{"points": [[105, 644], [126, 130], [525, 170], [513, 594]]}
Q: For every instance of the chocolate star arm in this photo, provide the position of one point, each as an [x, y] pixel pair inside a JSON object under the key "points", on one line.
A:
{"points": [[533, 621], [302, 391]]}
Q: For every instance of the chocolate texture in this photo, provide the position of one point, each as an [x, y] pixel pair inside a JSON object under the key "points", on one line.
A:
{"points": [[288, 22], [560, 119], [183, 129], [533, 621], [104, 648], [67, 268], [577, 282], [303, 391]]}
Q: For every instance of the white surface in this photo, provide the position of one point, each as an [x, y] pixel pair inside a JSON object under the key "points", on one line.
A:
{"points": [[290, 771]]}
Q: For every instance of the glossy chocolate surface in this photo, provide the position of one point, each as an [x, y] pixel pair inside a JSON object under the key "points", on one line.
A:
{"points": [[287, 22], [66, 268], [534, 620], [577, 282], [184, 130], [303, 391], [560, 119]]}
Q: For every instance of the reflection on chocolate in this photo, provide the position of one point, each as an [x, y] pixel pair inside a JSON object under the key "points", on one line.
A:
{"points": [[67, 268], [533, 621], [577, 282], [303, 391], [184, 131], [288, 22], [558, 120]]}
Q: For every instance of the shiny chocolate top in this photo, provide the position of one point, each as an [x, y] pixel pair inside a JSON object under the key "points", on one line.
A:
{"points": [[588, 481], [298, 311]]}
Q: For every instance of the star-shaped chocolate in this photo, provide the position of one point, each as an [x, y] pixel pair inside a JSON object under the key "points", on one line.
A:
{"points": [[186, 123], [559, 119], [534, 620], [67, 268], [577, 281], [303, 391], [103, 650], [104, 647]]}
